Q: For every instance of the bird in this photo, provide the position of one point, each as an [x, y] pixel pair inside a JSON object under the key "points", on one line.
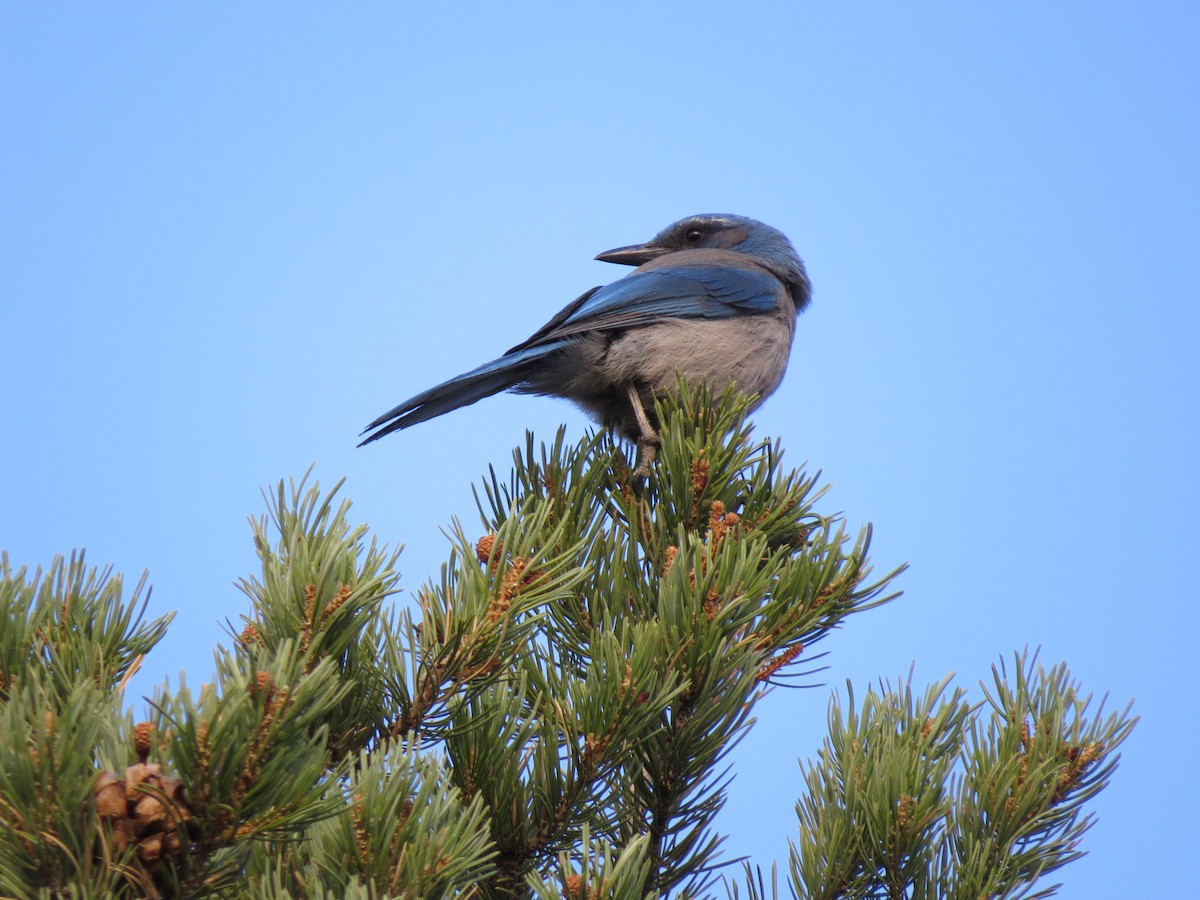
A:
{"points": [[712, 298]]}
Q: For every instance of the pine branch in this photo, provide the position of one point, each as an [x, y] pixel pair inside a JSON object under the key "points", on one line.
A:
{"points": [[932, 798], [554, 716], [710, 579]]}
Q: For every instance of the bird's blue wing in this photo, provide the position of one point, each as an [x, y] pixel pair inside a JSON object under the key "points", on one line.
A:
{"points": [[709, 292]]}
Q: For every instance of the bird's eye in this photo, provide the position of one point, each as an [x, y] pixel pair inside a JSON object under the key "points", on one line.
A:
{"points": [[693, 235]]}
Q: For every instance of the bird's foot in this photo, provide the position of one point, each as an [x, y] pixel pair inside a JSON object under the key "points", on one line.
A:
{"points": [[648, 439], [647, 452]]}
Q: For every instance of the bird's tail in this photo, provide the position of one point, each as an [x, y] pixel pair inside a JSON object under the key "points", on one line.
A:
{"points": [[462, 390]]}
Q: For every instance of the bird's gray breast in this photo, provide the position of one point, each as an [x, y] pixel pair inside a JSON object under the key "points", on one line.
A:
{"points": [[596, 370], [750, 351]]}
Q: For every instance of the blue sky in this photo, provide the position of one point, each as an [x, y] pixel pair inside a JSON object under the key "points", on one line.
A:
{"points": [[230, 236]]}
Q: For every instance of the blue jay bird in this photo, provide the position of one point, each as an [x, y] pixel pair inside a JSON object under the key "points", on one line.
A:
{"points": [[713, 298]]}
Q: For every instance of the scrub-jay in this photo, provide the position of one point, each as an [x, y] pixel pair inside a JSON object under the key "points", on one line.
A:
{"points": [[713, 297]]}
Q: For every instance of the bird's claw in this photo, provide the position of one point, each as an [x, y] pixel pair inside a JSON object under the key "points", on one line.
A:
{"points": [[647, 452], [648, 439]]}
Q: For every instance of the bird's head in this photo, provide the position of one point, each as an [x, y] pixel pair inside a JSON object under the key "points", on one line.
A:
{"points": [[721, 231]]}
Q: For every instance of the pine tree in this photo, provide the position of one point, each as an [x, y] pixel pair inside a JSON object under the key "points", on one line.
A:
{"points": [[552, 718]]}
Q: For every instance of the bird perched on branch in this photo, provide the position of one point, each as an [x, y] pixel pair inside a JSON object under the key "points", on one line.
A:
{"points": [[713, 298]]}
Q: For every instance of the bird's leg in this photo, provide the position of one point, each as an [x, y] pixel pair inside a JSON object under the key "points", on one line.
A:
{"points": [[648, 439]]}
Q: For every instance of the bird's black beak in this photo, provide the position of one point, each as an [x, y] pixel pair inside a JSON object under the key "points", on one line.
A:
{"points": [[633, 255]]}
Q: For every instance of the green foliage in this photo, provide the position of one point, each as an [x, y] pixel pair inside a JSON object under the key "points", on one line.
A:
{"points": [[594, 868], [401, 828], [320, 599], [1029, 765], [72, 624], [48, 828], [877, 794], [551, 718], [67, 644], [929, 797], [695, 590]]}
